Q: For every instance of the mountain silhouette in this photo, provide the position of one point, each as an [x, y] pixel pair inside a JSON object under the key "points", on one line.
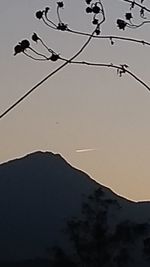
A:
{"points": [[39, 193]]}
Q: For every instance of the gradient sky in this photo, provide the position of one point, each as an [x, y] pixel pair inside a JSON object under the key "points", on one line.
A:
{"points": [[81, 107]]}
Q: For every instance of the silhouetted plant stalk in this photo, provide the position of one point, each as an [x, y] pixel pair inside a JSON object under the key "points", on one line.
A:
{"points": [[111, 37], [120, 22], [94, 8], [134, 3], [22, 48], [121, 69]]}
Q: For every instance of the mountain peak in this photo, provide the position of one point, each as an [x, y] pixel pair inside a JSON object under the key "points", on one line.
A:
{"points": [[37, 156], [43, 155], [39, 193]]}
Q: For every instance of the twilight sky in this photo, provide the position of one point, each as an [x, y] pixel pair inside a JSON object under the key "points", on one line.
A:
{"points": [[97, 121]]}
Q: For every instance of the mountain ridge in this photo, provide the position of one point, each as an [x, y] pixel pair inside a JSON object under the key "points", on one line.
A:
{"points": [[48, 154]]}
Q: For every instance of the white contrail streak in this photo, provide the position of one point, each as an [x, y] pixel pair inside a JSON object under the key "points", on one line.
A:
{"points": [[85, 150]]}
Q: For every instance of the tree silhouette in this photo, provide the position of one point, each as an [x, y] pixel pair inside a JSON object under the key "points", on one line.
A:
{"points": [[96, 242], [136, 16]]}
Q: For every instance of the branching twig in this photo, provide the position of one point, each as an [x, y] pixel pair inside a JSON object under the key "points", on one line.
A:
{"points": [[38, 59], [37, 53], [47, 77], [50, 21], [47, 24], [48, 49], [66, 28], [109, 37], [96, 8], [122, 68], [114, 37], [137, 4], [134, 26]]}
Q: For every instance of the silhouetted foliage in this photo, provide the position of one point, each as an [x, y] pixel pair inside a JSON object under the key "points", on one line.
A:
{"points": [[146, 250], [26, 263], [59, 258], [95, 242]]}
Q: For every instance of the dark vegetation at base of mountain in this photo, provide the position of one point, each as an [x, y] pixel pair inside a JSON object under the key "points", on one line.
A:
{"points": [[26, 263], [96, 243]]}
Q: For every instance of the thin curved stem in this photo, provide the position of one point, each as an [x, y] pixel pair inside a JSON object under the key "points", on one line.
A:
{"points": [[134, 26], [50, 21], [118, 67], [114, 37], [128, 39], [137, 4], [104, 36], [39, 54], [58, 15], [103, 13], [48, 49], [38, 59], [50, 26]]}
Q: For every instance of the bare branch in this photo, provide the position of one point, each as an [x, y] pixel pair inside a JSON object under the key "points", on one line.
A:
{"points": [[137, 4], [122, 68], [114, 37], [96, 8], [47, 77]]}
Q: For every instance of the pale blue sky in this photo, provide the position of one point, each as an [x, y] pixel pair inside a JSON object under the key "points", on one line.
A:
{"points": [[81, 107]]}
